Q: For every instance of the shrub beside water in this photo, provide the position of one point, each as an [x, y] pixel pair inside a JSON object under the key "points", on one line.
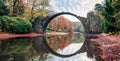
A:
{"points": [[14, 25]]}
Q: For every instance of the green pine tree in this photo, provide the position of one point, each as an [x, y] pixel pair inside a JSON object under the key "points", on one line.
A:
{"points": [[3, 8], [110, 10]]}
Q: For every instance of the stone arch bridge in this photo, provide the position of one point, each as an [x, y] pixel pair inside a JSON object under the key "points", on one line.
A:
{"points": [[92, 24]]}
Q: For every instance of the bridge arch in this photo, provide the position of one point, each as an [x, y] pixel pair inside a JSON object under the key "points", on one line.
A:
{"points": [[48, 20], [91, 24], [44, 25]]}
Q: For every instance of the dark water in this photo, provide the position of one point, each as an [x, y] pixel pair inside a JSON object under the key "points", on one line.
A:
{"points": [[48, 48]]}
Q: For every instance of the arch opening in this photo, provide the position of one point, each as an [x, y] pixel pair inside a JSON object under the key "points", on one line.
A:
{"points": [[64, 31]]}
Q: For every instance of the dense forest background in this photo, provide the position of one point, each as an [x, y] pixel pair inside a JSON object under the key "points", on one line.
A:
{"points": [[16, 16]]}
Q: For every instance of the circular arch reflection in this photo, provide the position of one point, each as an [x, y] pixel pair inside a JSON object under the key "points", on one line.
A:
{"points": [[60, 28]]}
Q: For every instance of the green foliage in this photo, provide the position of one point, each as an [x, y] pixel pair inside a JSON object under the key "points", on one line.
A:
{"points": [[48, 29], [98, 7], [49, 37], [3, 10], [41, 8], [15, 25], [111, 12], [79, 26]]}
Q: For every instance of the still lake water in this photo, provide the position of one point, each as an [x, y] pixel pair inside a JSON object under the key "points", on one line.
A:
{"points": [[47, 48]]}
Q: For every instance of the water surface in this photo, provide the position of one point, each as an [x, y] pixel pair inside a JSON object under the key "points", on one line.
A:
{"points": [[34, 49]]}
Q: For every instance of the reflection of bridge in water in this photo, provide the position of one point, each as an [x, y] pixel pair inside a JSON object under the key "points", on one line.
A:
{"points": [[26, 48]]}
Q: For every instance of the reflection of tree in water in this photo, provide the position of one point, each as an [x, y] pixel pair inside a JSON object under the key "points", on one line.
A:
{"points": [[22, 49], [60, 42], [16, 46]]}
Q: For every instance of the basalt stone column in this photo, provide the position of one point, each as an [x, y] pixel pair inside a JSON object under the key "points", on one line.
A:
{"points": [[95, 23], [92, 24]]}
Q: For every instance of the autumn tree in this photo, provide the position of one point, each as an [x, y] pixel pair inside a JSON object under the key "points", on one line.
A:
{"points": [[28, 9], [61, 24], [36, 8], [17, 7]]}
